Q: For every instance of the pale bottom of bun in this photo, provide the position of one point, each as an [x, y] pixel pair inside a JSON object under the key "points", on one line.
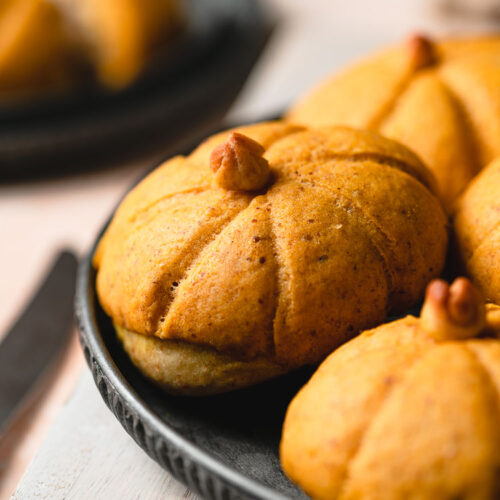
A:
{"points": [[192, 370]]}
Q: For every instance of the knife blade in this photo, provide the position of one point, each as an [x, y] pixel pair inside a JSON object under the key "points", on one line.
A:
{"points": [[37, 336]]}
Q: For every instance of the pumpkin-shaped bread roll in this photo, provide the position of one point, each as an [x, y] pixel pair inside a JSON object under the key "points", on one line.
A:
{"points": [[265, 249], [441, 99], [477, 229], [408, 410], [120, 35]]}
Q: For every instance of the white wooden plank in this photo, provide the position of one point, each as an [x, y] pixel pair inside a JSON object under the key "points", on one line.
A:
{"points": [[87, 454]]}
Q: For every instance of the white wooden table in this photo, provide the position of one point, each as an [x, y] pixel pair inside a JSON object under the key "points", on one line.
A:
{"points": [[85, 452]]}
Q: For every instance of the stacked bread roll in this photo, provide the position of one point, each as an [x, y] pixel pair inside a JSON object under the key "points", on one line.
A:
{"points": [[440, 98]]}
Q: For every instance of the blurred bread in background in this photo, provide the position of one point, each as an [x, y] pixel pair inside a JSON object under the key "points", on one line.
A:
{"points": [[119, 35], [35, 50], [53, 44]]}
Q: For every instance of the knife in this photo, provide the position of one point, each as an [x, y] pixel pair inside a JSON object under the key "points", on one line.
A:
{"points": [[38, 335]]}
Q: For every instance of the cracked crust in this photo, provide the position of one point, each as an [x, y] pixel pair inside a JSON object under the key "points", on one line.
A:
{"points": [[287, 273]]}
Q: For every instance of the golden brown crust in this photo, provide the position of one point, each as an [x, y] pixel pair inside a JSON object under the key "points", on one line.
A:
{"points": [[477, 229], [439, 98], [288, 272], [393, 414]]}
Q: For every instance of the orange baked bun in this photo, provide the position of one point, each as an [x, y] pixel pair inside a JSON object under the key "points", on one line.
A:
{"points": [[265, 249], [477, 230], [407, 410], [440, 98]]}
